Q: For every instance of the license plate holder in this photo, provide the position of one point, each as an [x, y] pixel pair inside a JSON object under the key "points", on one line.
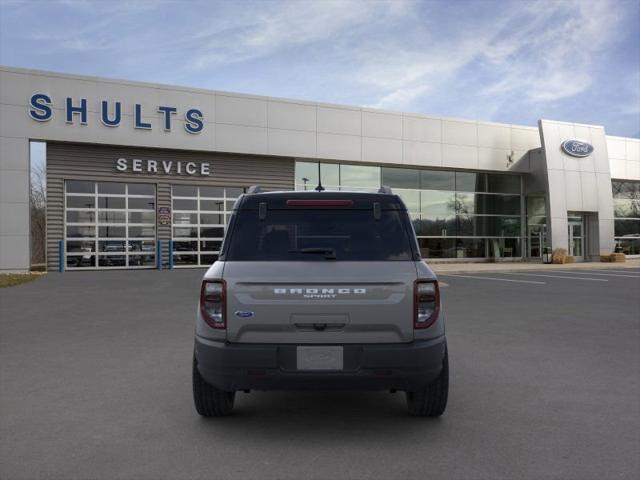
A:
{"points": [[320, 358]]}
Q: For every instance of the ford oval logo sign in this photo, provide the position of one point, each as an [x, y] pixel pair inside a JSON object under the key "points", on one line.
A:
{"points": [[244, 314], [576, 148]]}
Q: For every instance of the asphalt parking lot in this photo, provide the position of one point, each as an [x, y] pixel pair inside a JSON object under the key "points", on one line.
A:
{"points": [[95, 384]]}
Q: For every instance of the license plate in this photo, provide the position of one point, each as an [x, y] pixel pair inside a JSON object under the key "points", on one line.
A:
{"points": [[319, 358]]}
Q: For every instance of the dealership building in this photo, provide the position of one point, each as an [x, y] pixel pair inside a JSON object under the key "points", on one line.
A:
{"points": [[142, 175]]}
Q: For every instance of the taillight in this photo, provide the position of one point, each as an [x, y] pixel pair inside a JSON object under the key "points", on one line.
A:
{"points": [[426, 303], [213, 303]]}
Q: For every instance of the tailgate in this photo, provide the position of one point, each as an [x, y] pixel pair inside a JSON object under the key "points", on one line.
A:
{"points": [[320, 302]]}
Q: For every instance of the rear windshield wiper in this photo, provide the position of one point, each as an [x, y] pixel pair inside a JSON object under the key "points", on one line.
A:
{"points": [[329, 253]]}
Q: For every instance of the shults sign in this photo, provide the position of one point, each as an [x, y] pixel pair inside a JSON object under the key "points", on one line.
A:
{"points": [[41, 109]]}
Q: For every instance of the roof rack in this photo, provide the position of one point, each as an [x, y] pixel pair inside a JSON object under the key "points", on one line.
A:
{"points": [[385, 189], [254, 189]]}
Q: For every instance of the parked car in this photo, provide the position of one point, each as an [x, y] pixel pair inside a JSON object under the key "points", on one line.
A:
{"points": [[320, 290]]}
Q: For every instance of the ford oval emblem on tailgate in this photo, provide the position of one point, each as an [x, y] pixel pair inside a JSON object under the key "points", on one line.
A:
{"points": [[243, 314]]}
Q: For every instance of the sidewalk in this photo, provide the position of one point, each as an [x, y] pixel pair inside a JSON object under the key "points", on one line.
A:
{"points": [[523, 266]]}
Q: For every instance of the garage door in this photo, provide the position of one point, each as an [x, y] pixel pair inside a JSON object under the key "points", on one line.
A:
{"points": [[199, 217], [109, 225]]}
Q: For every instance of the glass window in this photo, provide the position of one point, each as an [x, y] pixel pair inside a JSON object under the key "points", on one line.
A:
{"points": [[111, 245], [142, 203], [400, 177], [185, 204], [437, 180], [185, 259], [436, 205], [112, 260], [411, 199], [186, 191], [626, 227], [626, 189], [212, 232], [209, 245], [185, 246], [185, 218], [81, 202], [360, 176], [502, 183], [111, 232], [111, 188], [488, 226], [471, 182], [112, 217], [142, 217], [212, 205], [185, 232], [307, 175], [75, 186], [112, 202], [82, 216], [81, 232], [330, 173], [81, 261], [536, 206], [211, 219], [320, 235], [437, 247], [629, 245], [487, 204], [466, 203], [81, 246], [471, 248], [141, 231], [626, 208], [141, 189], [148, 246], [504, 247]]}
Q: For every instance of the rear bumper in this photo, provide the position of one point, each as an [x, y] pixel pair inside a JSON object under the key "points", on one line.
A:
{"points": [[406, 366]]}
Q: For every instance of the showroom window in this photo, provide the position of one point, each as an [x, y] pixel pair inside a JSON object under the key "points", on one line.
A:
{"points": [[454, 214], [200, 215], [109, 225], [626, 212]]}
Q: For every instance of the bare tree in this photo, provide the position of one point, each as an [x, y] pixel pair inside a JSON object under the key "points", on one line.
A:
{"points": [[37, 207]]}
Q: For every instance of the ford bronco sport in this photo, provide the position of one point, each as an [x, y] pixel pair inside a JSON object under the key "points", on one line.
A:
{"points": [[320, 290]]}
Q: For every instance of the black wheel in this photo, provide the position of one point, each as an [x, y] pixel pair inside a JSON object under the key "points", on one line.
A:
{"points": [[209, 401], [432, 401]]}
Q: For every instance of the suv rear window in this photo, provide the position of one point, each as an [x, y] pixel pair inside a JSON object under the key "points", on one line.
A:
{"points": [[320, 234]]}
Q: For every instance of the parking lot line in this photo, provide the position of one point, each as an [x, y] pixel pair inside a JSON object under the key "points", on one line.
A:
{"points": [[494, 278], [555, 276], [602, 274]]}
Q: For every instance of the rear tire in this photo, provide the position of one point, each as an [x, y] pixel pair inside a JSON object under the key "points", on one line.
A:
{"points": [[210, 401], [432, 401]]}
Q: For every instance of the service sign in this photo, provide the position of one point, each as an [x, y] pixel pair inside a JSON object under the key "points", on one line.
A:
{"points": [[164, 167], [577, 148]]}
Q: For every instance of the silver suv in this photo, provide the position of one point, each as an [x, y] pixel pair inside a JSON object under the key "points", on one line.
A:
{"points": [[320, 290]]}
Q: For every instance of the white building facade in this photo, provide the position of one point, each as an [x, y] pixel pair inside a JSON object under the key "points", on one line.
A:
{"points": [[144, 176]]}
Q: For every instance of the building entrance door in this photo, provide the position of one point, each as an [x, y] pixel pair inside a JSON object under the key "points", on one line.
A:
{"points": [[577, 238], [537, 240]]}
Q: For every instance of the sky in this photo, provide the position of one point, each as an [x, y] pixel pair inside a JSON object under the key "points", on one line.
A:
{"points": [[502, 61]]}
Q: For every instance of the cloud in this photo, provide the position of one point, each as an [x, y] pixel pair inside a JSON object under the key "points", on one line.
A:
{"points": [[262, 32], [540, 51]]}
